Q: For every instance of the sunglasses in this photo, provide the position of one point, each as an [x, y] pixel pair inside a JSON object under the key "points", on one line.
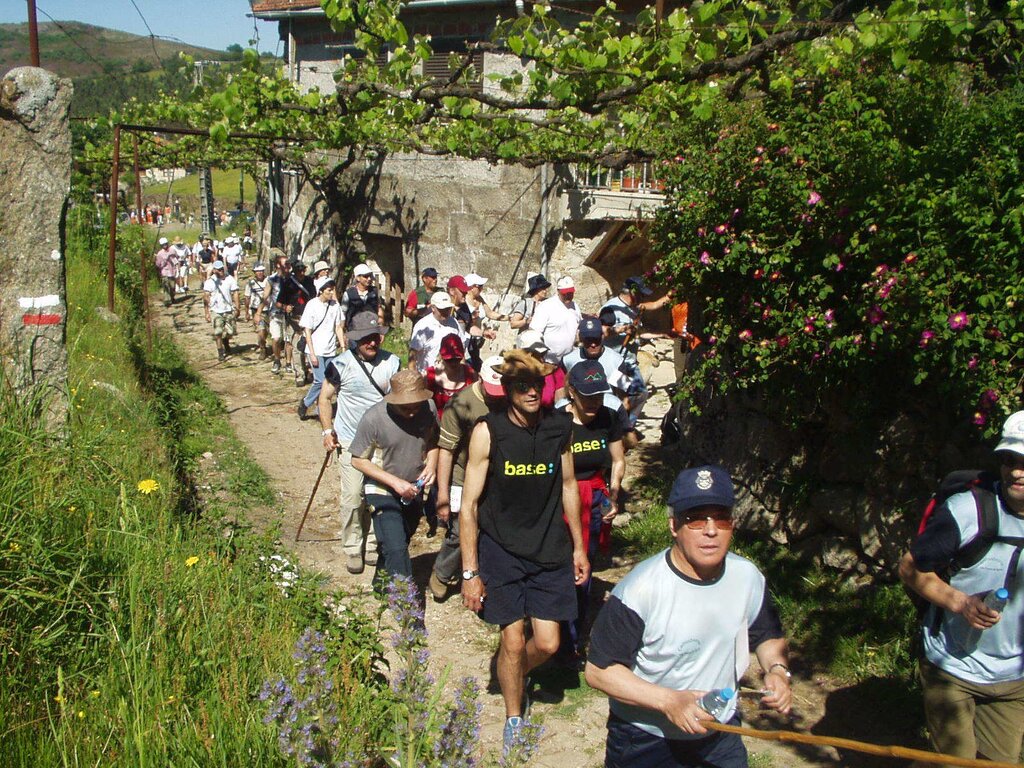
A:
{"points": [[523, 386], [697, 521], [1011, 460]]}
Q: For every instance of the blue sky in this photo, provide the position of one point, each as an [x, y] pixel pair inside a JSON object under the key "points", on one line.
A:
{"points": [[209, 23]]}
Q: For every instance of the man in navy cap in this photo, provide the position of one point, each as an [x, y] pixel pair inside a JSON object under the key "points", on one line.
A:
{"points": [[417, 306], [680, 624]]}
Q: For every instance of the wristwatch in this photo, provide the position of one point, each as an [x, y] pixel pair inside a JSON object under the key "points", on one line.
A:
{"points": [[785, 670], [468, 574]]}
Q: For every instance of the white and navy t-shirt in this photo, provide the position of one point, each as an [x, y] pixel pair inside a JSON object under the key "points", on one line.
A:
{"points": [[997, 654], [681, 633]]}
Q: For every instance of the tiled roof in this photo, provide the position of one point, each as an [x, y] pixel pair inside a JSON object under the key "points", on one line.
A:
{"points": [[262, 6]]}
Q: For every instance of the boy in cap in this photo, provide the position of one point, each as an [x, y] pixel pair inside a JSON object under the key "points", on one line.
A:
{"points": [[220, 297], [520, 558], [680, 624], [971, 672], [321, 326]]}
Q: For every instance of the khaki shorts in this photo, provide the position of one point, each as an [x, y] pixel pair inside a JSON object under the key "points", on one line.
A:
{"points": [[968, 719], [283, 327], [224, 325]]}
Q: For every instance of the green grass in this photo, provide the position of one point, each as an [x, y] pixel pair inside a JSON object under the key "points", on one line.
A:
{"points": [[225, 188], [137, 628]]}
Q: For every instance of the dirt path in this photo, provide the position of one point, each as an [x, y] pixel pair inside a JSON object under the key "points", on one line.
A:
{"points": [[262, 409]]}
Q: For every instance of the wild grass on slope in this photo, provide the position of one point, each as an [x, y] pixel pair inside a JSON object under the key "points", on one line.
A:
{"points": [[135, 629]]}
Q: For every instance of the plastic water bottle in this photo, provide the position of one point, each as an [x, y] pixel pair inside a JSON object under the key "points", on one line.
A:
{"points": [[716, 702], [419, 487], [996, 600], [606, 506]]}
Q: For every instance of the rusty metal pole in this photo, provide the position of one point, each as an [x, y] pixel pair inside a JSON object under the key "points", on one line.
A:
{"points": [[115, 173], [33, 34]]}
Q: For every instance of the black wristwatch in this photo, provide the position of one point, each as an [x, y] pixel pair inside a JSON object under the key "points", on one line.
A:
{"points": [[468, 574]]}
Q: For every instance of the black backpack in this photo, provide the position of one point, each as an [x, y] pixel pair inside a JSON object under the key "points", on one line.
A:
{"points": [[982, 487]]}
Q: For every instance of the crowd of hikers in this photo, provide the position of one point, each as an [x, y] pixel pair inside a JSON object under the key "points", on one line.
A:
{"points": [[519, 457]]}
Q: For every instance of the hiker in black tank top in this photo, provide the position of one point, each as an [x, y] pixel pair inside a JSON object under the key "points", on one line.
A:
{"points": [[520, 557]]}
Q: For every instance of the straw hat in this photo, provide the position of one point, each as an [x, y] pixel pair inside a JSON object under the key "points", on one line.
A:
{"points": [[520, 364], [407, 387]]}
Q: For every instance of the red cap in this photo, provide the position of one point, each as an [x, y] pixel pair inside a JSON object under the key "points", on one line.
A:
{"points": [[452, 348], [458, 281]]}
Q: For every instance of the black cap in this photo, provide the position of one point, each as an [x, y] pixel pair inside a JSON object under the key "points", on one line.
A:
{"points": [[588, 378], [429, 272], [537, 283], [636, 284]]}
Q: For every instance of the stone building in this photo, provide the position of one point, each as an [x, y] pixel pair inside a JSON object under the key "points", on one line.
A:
{"points": [[410, 211]]}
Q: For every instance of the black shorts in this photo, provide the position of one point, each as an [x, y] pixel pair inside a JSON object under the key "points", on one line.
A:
{"points": [[518, 588]]}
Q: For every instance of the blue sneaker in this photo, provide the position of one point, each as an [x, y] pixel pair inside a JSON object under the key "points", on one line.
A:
{"points": [[513, 727]]}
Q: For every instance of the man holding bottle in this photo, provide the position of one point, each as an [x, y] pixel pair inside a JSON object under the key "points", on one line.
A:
{"points": [[680, 625], [971, 671]]}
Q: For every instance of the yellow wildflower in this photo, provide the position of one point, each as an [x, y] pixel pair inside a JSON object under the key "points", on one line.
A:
{"points": [[14, 546], [81, 714], [148, 485], [191, 561]]}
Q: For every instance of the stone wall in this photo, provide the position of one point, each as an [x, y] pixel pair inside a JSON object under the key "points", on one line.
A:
{"points": [[849, 497], [35, 178]]}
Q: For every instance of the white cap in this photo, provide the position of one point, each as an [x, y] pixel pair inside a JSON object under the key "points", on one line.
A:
{"points": [[321, 283], [362, 269], [566, 284], [532, 341], [441, 300], [474, 279], [162, 241], [1013, 434]]}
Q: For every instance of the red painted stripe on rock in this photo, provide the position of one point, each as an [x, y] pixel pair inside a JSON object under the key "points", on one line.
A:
{"points": [[41, 319]]}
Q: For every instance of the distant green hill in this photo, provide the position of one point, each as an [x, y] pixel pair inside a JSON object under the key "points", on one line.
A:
{"points": [[108, 67], [72, 49]]}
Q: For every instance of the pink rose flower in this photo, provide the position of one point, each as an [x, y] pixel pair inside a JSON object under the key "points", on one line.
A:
{"points": [[813, 199], [875, 315], [705, 258], [958, 321], [722, 229], [980, 419], [973, 362], [926, 338], [746, 335]]}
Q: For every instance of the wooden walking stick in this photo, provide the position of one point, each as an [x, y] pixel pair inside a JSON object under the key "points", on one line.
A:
{"points": [[327, 458], [858, 746]]}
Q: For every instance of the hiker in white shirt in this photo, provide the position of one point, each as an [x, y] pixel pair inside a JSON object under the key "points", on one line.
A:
{"points": [[220, 299]]}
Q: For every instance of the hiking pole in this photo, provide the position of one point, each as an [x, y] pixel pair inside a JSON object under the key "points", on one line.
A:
{"points": [[327, 458], [858, 746]]}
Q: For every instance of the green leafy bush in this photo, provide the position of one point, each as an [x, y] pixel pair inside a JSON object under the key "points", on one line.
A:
{"points": [[860, 235]]}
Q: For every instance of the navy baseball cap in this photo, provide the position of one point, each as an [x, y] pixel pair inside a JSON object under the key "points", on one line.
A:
{"points": [[429, 272], [699, 487], [636, 284], [590, 328], [588, 378]]}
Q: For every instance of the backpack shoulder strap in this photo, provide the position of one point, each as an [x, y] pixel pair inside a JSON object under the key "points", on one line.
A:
{"points": [[988, 528]]}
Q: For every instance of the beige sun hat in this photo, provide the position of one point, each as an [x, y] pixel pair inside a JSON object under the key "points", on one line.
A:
{"points": [[520, 364], [408, 387]]}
